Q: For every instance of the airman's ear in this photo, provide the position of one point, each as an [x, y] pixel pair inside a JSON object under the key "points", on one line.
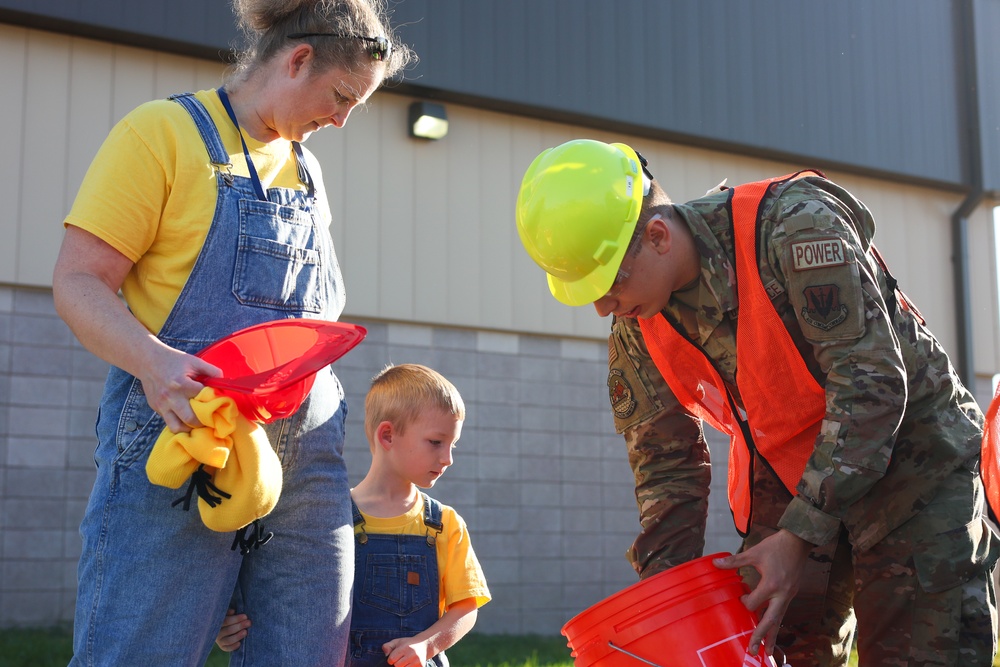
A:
{"points": [[659, 234]]}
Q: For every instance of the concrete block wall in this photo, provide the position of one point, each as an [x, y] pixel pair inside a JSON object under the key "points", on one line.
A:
{"points": [[49, 386], [539, 475]]}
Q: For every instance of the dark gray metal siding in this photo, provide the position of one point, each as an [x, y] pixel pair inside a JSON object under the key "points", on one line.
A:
{"points": [[203, 28], [875, 86], [872, 84]]}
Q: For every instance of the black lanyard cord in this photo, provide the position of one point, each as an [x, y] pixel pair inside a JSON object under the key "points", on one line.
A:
{"points": [[254, 178]]}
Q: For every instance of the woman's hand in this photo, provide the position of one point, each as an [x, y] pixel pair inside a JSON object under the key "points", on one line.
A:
{"points": [[170, 379]]}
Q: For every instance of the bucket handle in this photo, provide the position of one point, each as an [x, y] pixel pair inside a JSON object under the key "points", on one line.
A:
{"points": [[632, 655]]}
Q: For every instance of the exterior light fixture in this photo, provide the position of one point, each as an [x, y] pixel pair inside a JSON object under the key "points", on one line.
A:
{"points": [[428, 121]]}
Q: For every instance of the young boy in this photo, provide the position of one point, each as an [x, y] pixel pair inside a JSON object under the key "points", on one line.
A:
{"points": [[410, 550]]}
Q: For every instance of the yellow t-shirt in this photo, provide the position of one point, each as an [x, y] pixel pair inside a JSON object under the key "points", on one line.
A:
{"points": [[151, 192], [459, 574]]}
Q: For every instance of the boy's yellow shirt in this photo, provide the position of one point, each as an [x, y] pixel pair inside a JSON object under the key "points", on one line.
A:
{"points": [[460, 575], [151, 192]]}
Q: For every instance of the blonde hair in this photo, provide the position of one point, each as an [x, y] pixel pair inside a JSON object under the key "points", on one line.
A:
{"points": [[266, 24], [400, 393]]}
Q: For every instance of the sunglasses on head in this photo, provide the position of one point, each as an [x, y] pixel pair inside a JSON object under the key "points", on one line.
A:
{"points": [[380, 47]]}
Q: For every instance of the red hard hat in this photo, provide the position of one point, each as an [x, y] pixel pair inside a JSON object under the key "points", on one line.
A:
{"points": [[269, 368]]}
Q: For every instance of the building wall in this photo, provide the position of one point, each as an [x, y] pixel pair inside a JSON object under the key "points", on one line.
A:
{"points": [[424, 230], [434, 268], [847, 83], [539, 475]]}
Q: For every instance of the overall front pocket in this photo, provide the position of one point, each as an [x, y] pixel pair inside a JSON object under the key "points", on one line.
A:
{"points": [[387, 583], [278, 261]]}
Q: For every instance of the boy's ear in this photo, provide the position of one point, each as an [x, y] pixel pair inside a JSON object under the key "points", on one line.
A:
{"points": [[384, 433]]}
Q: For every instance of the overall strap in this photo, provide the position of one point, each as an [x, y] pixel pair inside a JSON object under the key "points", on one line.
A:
{"points": [[303, 170], [358, 519], [432, 513], [432, 518], [206, 128], [359, 522]]}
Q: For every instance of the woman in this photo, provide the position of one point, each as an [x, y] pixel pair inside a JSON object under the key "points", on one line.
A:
{"points": [[209, 216]]}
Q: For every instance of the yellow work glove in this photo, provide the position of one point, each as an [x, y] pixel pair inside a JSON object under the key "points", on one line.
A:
{"points": [[229, 460]]}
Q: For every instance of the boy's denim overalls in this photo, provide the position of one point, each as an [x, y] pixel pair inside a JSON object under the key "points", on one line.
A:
{"points": [[154, 582], [396, 590]]}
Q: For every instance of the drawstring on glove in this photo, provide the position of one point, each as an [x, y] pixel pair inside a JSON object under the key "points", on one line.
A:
{"points": [[201, 481], [251, 537]]}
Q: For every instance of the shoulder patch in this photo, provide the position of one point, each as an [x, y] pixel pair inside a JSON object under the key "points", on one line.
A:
{"points": [[773, 289], [823, 308], [622, 401], [818, 254], [797, 223]]}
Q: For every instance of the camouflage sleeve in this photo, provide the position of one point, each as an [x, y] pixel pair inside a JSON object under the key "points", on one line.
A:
{"points": [[667, 453], [819, 253]]}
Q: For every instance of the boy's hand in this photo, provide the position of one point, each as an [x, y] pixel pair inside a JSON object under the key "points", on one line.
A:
{"points": [[234, 628], [406, 652]]}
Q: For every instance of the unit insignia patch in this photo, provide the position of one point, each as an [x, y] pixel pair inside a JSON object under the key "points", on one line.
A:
{"points": [[823, 309], [620, 392]]}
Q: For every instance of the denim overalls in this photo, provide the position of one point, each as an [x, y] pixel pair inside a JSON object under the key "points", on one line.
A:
{"points": [[154, 582], [396, 591]]}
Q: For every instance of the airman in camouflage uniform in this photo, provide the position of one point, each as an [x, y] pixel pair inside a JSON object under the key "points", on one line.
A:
{"points": [[891, 495], [885, 534]]}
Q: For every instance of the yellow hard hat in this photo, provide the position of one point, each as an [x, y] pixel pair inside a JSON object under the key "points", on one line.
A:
{"points": [[576, 212]]}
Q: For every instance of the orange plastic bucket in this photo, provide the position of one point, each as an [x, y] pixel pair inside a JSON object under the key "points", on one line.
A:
{"points": [[689, 615]]}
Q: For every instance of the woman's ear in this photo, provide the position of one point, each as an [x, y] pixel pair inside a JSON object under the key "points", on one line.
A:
{"points": [[299, 60], [384, 434]]}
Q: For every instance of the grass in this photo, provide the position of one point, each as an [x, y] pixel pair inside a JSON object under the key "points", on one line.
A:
{"points": [[54, 647], [35, 647], [478, 650]]}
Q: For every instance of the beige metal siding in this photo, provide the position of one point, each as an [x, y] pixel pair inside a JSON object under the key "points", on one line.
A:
{"points": [[13, 53], [62, 95], [983, 269], [424, 230]]}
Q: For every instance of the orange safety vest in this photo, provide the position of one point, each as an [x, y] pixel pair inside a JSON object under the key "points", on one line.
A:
{"points": [[990, 461], [784, 404]]}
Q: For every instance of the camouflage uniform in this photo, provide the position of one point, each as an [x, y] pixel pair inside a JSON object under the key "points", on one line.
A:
{"points": [[891, 494]]}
